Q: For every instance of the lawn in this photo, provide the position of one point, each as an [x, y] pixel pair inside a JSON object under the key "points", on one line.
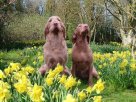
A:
{"points": [[113, 62], [121, 96]]}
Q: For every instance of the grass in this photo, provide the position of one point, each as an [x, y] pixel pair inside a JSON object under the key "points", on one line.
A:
{"points": [[121, 96], [11, 56]]}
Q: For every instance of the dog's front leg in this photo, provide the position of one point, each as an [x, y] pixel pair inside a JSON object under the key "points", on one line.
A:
{"points": [[73, 70], [90, 81], [95, 73], [66, 71], [43, 69]]}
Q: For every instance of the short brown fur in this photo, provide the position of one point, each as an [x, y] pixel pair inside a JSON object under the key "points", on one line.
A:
{"points": [[82, 58], [55, 49]]}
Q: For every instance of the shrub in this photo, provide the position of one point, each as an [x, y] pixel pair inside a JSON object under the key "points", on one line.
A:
{"points": [[22, 44], [26, 27], [108, 48]]}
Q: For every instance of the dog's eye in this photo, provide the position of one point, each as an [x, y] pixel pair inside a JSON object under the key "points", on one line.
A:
{"points": [[58, 19], [50, 20]]}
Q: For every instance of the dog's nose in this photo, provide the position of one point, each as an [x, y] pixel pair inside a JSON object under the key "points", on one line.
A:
{"points": [[86, 26], [55, 24]]}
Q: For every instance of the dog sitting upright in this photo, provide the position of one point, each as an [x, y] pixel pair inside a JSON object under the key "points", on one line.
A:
{"points": [[82, 58], [55, 48]]}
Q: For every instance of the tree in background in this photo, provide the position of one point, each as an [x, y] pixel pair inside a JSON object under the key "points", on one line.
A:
{"points": [[68, 10], [74, 12], [5, 8], [108, 19], [124, 11], [51, 7], [92, 13]]}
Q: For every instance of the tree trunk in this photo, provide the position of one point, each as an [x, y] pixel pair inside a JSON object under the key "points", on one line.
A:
{"points": [[126, 37], [129, 39], [133, 48]]}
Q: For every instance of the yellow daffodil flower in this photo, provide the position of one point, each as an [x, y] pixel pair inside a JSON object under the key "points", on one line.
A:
{"points": [[69, 98], [81, 96], [49, 81], [36, 94], [99, 86], [2, 75], [62, 79], [97, 98], [70, 82], [4, 91]]}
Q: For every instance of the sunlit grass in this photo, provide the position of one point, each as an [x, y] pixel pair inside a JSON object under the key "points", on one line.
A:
{"points": [[121, 96]]}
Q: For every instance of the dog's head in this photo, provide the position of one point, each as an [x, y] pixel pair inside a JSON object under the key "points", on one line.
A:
{"points": [[81, 32], [54, 25]]}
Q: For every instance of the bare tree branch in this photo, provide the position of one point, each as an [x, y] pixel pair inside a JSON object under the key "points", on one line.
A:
{"points": [[121, 8], [110, 11]]}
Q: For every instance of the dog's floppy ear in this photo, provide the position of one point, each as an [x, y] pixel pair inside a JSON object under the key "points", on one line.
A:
{"points": [[63, 30], [74, 37], [46, 30], [88, 39]]}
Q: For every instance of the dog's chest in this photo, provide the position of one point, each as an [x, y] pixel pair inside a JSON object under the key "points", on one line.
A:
{"points": [[83, 55], [56, 49]]}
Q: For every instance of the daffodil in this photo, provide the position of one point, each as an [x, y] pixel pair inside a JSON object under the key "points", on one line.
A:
{"points": [[99, 86], [104, 64], [58, 69], [81, 96], [113, 59], [34, 62], [36, 94], [4, 91], [123, 64], [51, 74], [102, 59], [70, 82], [78, 82], [96, 56], [4, 85], [29, 69], [15, 66], [89, 89], [41, 58], [49, 81], [63, 79], [97, 98], [2, 75], [100, 66], [19, 75], [7, 71], [70, 98], [39, 53], [99, 73], [22, 85], [133, 66]]}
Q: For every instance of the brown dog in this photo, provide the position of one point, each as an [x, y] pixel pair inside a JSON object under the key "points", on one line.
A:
{"points": [[82, 58], [55, 49]]}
